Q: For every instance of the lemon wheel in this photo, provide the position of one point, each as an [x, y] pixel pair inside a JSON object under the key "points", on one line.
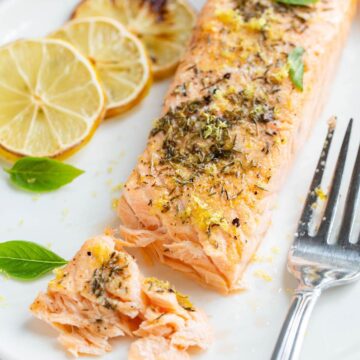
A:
{"points": [[118, 56], [50, 98], [164, 27]]}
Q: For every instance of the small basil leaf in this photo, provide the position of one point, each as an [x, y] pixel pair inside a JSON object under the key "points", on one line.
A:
{"points": [[296, 67], [26, 260], [42, 174], [298, 2]]}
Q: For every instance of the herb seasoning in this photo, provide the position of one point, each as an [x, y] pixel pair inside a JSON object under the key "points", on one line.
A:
{"points": [[214, 151]]}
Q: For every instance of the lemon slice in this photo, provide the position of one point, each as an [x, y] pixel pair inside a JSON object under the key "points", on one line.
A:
{"points": [[118, 56], [50, 98], [164, 26]]}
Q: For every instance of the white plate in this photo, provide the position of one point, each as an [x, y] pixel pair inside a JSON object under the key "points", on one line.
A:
{"points": [[246, 324]]}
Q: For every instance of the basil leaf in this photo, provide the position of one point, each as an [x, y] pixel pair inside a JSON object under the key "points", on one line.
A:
{"points": [[296, 67], [26, 260], [298, 2], [42, 174]]}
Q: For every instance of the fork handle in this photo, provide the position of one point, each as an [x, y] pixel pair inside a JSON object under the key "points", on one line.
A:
{"points": [[293, 330]]}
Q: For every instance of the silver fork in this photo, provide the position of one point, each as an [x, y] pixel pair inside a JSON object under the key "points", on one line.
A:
{"points": [[315, 263]]}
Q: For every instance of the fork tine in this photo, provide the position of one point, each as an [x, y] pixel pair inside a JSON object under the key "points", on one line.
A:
{"points": [[303, 227], [333, 200], [351, 203]]}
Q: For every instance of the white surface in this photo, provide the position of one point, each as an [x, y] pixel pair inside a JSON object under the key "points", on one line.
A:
{"points": [[246, 324]]}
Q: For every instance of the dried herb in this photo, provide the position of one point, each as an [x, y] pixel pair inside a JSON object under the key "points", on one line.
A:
{"points": [[114, 267], [196, 136], [251, 9]]}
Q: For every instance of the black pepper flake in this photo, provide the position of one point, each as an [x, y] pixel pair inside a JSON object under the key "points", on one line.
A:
{"points": [[207, 99], [89, 253], [236, 222]]}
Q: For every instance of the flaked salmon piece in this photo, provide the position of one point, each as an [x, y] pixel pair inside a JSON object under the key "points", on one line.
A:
{"points": [[95, 297], [100, 294], [172, 315], [155, 348], [201, 195]]}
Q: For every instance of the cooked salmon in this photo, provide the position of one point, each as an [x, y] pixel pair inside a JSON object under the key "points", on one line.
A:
{"points": [[201, 195], [101, 294]]}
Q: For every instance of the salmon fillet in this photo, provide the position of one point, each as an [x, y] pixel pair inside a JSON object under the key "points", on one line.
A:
{"points": [[101, 295], [201, 195]]}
